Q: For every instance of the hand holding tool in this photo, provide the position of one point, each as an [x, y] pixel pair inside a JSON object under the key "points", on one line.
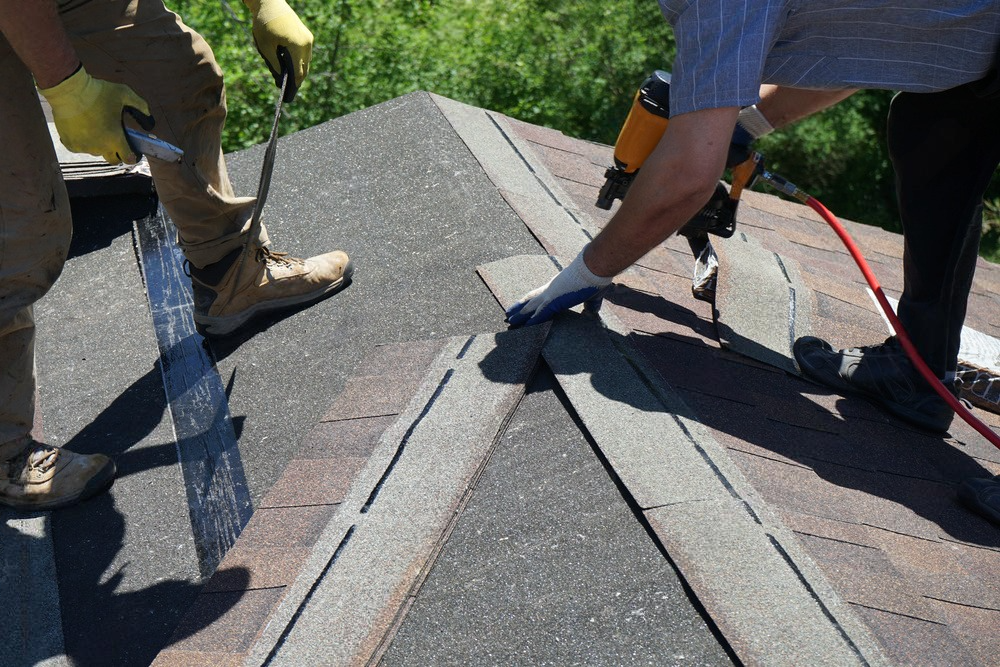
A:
{"points": [[253, 233], [645, 124], [718, 216], [88, 115], [277, 26], [151, 146], [572, 286]]}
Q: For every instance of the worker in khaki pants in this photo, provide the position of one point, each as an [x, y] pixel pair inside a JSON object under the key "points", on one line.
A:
{"points": [[91, 59]]}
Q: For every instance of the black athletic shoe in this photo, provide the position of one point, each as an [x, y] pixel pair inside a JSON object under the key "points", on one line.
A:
{"points": [[882, 373], [982, 496]]}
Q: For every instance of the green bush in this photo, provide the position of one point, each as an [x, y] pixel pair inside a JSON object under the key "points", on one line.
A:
{"points": [[572, 66]]}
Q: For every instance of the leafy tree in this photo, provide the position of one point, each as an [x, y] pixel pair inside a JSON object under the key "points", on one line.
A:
{"points": [[573, 66]]}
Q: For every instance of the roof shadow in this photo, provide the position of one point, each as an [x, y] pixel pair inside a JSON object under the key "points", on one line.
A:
{"points": [[223, 346], [664, 309], [781, 429], [97, 221], [774, 421], [102, 623]]}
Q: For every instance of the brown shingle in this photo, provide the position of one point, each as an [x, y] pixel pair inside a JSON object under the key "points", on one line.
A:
{"points": [[314, 482], [374, 396], [914, 642], [349, 437], [864, 575], [225, 623], [872, 498]]}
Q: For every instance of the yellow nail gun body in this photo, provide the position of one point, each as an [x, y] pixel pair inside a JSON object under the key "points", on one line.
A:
{"points": [[644, 126]]}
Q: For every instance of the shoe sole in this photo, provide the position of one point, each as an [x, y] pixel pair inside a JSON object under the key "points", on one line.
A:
{"points": [[223, 326], [97, 484]]}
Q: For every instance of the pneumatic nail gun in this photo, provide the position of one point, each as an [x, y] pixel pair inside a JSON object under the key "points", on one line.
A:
{"points": [[646, 122]]}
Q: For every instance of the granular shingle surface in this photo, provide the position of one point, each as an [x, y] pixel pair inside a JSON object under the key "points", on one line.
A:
{"points": [[548, 567], [834, 466], [859, 508]]}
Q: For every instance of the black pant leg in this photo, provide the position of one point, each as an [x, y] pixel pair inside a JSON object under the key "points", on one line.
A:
{"points": [[944, 148]]}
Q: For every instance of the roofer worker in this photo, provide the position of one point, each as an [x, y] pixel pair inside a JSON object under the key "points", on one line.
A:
{"points": [[944, 141], [91, 59]]}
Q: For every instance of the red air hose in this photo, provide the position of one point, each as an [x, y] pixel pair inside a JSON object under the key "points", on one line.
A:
{"points": [[904, 338]]}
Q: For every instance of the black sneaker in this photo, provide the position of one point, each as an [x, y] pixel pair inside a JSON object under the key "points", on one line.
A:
{"points": [[982, 496], [882, 373]]}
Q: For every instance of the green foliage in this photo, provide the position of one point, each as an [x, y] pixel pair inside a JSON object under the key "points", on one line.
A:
{"points": [[573, 66], [569, 65], [839, 156]]}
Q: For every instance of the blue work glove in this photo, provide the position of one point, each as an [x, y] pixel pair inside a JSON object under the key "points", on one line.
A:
{"points": [[571, 287]]}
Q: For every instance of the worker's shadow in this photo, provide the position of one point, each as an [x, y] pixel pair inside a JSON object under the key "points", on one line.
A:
{"points": [[98, 221], [124, 560], [30, 613], [106, 619], [116, 610], [855, 446]]}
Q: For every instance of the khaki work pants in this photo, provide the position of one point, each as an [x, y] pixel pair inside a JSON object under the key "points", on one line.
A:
{"points": [[142, 44]]}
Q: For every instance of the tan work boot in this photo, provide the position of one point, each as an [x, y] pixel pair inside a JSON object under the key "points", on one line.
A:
{"points": [[42, 477], [267, 281]]}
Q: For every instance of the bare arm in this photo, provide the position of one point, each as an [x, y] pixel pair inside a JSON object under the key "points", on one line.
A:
{"points": [[675, 181], [681, 174], [37, 36], [783, 106], [673, 184]]}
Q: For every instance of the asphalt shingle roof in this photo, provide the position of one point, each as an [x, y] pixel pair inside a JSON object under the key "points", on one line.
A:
{"points": [[862, 506], [719, 449], [871, 500]]}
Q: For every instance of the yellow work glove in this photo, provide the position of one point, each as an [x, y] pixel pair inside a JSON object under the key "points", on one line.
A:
{"points": [[88, 115], [275, 25]]}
